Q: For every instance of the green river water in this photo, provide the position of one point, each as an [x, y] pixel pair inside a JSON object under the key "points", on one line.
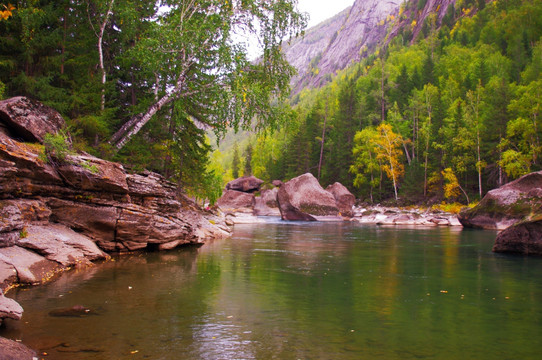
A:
{"points": [[297, 291]]}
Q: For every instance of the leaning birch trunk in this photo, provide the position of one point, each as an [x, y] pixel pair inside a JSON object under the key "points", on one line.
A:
{"points": [[132, 127], [322, 145]]}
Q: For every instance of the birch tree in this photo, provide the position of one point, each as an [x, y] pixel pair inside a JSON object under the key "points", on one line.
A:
{"points": [[191, 46]]}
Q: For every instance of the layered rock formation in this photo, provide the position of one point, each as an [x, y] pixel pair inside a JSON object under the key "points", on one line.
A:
{"points": [[516, 201], [70, 212]]}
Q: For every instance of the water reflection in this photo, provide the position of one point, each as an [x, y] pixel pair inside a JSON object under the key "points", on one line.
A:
{"points": [[298, 290]]}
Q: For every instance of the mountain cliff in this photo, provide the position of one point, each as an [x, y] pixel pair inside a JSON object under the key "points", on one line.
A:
{"points": [[355, 33]]}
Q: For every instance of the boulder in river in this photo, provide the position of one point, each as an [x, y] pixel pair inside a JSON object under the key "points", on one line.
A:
{"points": [[74, 311], [302, 198], [344, 198], [233, 201], [248, 184], [516, 201], [521, 238], [266, 204]]}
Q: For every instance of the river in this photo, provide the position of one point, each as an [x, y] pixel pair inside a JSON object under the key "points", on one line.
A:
{"points": [[297, 291]]}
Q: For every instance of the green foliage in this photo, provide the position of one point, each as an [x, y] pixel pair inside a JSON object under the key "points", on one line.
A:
{"points": [[56, 147], [465, 99], [178, 64]]}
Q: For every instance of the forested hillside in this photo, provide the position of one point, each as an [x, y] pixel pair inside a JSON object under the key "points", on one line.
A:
{"points": [[444, 107], [448, 114]]}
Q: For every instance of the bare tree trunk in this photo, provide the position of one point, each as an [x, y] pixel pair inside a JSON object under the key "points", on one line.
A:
{"points": [[100, 36], [409, 160], [132, 127], [382, 101], [322, 144], [372, 177]]}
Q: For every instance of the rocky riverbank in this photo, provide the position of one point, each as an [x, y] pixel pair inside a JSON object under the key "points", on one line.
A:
{"points": [[57, 214], [302, 198], [381, 215]]}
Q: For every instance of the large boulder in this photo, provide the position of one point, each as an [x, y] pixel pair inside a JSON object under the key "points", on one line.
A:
{"points": [[248, 184], [344, 198], [233, 200], [522, 238], [516, 201], [302, 198], [29, 119], [266, 204]]}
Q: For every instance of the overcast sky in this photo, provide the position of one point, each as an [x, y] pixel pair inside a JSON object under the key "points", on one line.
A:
{"points": [[320, 10]]}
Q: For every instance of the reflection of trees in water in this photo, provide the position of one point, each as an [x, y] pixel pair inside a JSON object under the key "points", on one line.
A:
{"points": [[303, 291]]}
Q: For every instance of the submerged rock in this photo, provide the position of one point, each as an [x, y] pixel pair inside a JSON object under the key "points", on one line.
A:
{"points": [[74, 311]]}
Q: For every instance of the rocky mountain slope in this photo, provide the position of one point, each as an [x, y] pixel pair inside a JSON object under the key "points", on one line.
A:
{"points": [[354, 34]]}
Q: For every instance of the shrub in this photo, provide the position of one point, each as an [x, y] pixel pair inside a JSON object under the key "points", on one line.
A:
{"points": [[56, 147]]}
